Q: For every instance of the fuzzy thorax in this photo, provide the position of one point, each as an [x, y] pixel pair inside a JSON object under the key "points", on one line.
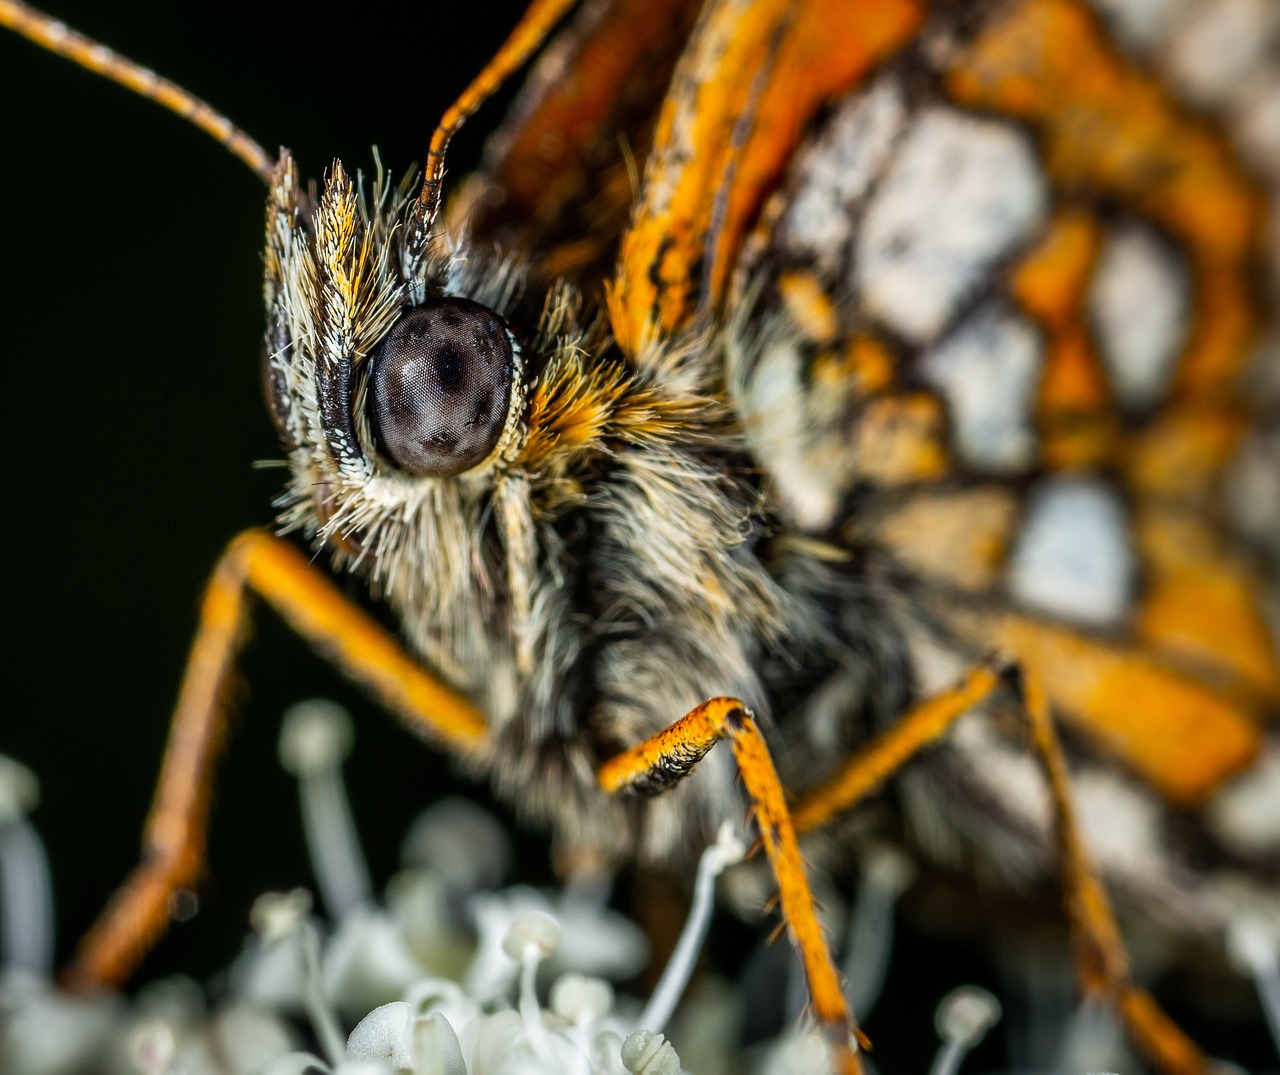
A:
{"points": [[591, 579]]}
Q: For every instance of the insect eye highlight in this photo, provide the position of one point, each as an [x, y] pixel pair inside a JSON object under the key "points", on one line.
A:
{"points": [[440, 386]]}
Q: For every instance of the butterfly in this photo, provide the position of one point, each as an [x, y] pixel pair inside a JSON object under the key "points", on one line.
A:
{"points": [[922, 503]]}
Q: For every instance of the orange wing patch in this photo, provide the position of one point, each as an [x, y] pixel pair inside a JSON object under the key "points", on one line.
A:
{"points": [[1077, 425], [1199, 606], [958, 537], [556, 177], [1181, 453], [900, 439], [1182, 737], [752, 77], [1112, 129]]}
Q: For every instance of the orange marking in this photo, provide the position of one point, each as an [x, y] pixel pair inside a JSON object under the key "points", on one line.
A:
{"points": [[1110, 128], [1051, 279], [869, 363], [1199, 603], [809, 306], [1182, 737], [955, 536], [1180, 454], [1077, 426], [751, 78], [900, 439], [863, 367], [563, 122], [809, 73]]}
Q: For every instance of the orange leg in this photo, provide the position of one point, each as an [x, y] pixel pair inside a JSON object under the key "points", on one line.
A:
{"points": [[657, 763], [174, 837], [1101, 961]]}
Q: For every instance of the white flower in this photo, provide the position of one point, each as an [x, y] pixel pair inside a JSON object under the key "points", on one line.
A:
{"points": [[367, 961], [48, 1032]]}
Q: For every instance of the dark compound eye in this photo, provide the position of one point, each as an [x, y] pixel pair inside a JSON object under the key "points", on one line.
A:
{"points": [[440, 386]]}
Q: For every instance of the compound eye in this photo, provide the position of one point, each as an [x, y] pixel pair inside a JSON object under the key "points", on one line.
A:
{"points": [[440, 386]]}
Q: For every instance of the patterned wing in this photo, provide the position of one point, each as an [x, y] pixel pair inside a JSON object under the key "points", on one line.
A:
{"points": [[558, 177], [1014, 349], [1000, 285], [1000, 288]]}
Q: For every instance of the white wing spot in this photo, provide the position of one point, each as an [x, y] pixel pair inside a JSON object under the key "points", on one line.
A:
{"points": [[1139, 303], [1244, 813], [960, 193], [1120, 824], [1220, 46], [1253, 489], [1141, 23], [779, 427], [987, 371], [837, 172], [1073, 557], [1258, 124]]}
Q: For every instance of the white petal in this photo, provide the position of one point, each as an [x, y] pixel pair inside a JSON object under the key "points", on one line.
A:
{"points": [[597, 941], [367, 962], [492, 972], [248, 1038], [444, 997], [436, 1050], [646, 1053], [496, 1043], [386, 1033]]}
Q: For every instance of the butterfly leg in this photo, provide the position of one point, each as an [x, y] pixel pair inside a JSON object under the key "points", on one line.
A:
{"points": [[174, 837], [661, 761], [1101, 960]]}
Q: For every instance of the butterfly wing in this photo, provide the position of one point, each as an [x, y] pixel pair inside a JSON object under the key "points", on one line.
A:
{"points": [[1014, 348], [998, 328], [999, 334], [558, 178]]}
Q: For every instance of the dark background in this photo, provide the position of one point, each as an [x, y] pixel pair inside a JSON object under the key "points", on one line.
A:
{"points": [[133, 416], [132, 419]]}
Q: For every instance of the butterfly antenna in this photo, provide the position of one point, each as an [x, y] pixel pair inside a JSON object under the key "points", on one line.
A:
{"points": [[57, 37], [530, 32]]}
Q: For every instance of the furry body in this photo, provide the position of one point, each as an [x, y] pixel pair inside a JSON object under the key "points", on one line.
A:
{"points": [[894, 449]]}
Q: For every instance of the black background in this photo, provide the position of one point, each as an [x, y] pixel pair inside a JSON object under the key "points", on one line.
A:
{"points": [[133, 416], [132, 420]]}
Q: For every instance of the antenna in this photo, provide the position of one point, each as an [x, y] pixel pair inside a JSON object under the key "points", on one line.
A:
{"points": [[530, 32], [58, 37]]}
